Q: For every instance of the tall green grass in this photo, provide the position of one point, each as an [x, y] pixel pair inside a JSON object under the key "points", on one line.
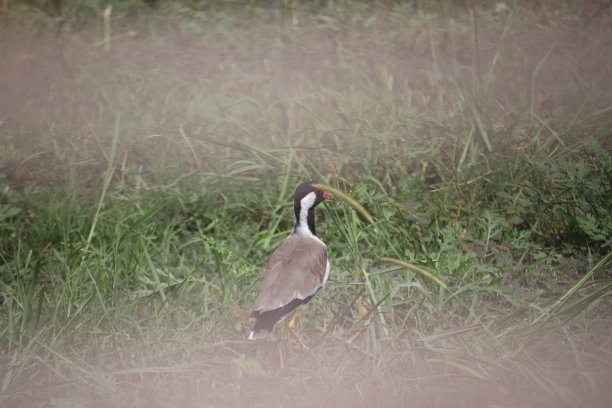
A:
{"points": [[144, 186]]}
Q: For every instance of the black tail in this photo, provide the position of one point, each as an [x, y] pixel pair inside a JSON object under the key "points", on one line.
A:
{"points": [[265, 321]]}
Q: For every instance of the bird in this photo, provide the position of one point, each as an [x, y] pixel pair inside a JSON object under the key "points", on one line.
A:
{"points": [[297, 270]]}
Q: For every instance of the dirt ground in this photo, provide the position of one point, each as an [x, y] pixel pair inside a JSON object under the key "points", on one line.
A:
{"points": [[55, 75]]}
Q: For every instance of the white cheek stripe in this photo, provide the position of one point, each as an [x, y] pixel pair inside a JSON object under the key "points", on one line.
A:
{"points": [[302, 228], [305, 204]]}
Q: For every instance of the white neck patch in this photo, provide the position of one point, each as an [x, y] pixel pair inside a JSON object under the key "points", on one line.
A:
{"points": [[305, 204]]}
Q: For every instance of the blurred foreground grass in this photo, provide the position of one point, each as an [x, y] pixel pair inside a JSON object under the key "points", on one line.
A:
{"points": [[148, 162]]}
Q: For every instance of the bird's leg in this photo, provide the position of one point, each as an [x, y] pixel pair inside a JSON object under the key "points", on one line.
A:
{"points": [[287, 328], [295, 319]]}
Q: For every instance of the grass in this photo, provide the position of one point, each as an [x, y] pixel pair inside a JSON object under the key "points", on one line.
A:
{"points": [[146, 178]]}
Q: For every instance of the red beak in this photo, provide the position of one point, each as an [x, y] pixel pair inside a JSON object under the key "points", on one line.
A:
{"points": [[327, 195]]}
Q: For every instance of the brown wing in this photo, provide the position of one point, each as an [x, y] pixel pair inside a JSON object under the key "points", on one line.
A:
{"points": [[295, 271]]}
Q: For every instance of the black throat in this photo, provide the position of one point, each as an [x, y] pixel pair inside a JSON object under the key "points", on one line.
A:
{"points": [[310, 219]]}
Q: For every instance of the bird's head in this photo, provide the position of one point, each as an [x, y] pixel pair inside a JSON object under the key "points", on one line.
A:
{"points": [[306, 195]]}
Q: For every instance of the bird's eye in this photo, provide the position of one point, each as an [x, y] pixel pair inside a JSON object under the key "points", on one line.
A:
{"points": [[325, 195]]}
